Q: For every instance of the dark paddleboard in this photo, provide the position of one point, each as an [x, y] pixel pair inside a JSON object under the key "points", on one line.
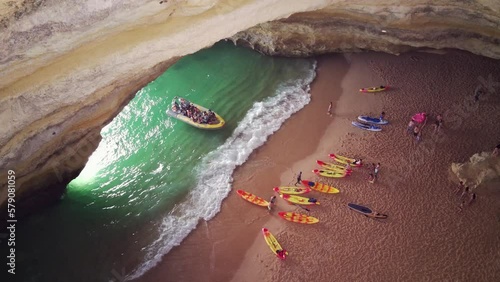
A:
{"points": [[365, 211], [373, 120], [361, 209]]}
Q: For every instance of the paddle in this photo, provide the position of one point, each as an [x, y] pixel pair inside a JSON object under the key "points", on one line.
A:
{"points": [[303, 207]]}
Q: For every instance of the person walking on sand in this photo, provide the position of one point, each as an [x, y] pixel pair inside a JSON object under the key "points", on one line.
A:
{"points": [[376, 170], [460, 187], [371, 178], [438, 123], [496, 151], [271, 203], [477, 92], [468, 202], [382, 116], [299, 178], [411, 126], [417, 133], [464, 193], [329, 112]]}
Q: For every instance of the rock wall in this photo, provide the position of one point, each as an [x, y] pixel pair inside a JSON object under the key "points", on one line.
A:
{"points": [[68, 67], [353, 26], [482, 170]]}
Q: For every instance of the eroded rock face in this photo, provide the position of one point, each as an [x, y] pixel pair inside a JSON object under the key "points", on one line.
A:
{"points": [[381, 26], [481, 170], [67, 68]]}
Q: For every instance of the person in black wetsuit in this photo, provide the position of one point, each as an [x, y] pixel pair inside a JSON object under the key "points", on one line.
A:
{"points": [[299, 178], [271, 203]]}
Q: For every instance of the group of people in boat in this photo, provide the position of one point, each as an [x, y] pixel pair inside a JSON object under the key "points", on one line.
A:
{"points": [[184, 107]]}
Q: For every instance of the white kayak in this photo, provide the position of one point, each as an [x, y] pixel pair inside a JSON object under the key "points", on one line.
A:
{"points": [[372, 120], [368, 127]]}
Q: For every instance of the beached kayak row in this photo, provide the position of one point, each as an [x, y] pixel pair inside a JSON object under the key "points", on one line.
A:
{"points": [[342, 168]]}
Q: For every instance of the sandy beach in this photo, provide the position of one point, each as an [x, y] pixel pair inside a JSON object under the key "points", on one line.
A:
{"points": [[425, 237]]}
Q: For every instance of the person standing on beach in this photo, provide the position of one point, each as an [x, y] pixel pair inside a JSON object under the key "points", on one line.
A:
{"points": [[411, 126], [271, 203], [464, 193], [424, 123], [417, 133], [438, 123], [460, 187], [495, 151], [477, 92], [382, 116], [371, 178], [299, 178], [376, 170], [465, 203], [329, 112]]}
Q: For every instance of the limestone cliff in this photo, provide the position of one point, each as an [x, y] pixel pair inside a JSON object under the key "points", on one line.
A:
{"points": [[387, 26], [68, 67]]}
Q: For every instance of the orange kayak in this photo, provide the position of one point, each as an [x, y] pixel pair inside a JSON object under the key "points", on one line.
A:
{"points": [[320, 187], [297, 217], [252, 198]]}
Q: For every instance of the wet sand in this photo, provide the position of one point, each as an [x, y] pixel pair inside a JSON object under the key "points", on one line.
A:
{"points": [[425, 238]]}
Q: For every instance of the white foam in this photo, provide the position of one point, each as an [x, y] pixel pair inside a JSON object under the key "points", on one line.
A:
{"points": [[216, 169]]}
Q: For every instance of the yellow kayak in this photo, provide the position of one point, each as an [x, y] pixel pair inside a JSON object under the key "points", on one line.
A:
{"points": [[293, 190], [297, 217], [299, 200], [329, 173], [333, 167], [345, 160], [252, 198], [218, 121], [320, 187], [374, 89], [273, 244]]}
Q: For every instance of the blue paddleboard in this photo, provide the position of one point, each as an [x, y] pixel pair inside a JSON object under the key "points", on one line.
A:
{"points": [[368, 127], [373, 120]]}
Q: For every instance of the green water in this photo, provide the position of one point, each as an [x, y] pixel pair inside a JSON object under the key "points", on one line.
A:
{"points": [[145, 187]]}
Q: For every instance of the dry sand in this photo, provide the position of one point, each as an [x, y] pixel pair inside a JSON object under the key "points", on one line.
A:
{"points": [[425, 238]]}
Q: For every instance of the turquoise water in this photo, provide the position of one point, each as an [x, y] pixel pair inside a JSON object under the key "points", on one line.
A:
{"points": [[153, 177]]}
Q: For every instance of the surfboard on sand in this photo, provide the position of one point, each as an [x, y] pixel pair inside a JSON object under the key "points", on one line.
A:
{"points": [[368, 127], [372, 120], [366, 211]]}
